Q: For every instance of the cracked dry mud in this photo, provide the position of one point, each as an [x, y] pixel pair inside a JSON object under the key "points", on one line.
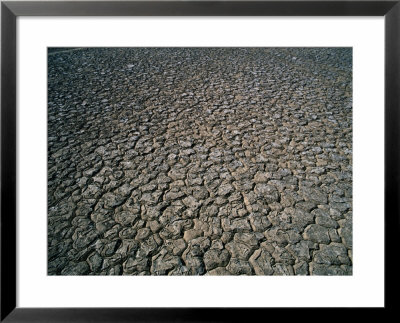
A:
{"points": [[200, 161]]}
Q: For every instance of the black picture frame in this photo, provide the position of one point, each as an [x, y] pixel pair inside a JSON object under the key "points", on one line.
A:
{"points": [[10, 10]]}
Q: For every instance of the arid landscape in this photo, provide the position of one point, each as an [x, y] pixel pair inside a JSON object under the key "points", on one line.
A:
{"points": [[200, 161]]}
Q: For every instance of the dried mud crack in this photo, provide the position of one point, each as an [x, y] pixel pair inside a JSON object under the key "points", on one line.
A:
{"points": [[200, 161]]}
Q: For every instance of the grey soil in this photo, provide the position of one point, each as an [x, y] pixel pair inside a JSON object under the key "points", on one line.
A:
{"points": [[200, 161]]}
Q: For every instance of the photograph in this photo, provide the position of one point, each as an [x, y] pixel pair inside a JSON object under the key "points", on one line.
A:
{"points": [[221, 161]]}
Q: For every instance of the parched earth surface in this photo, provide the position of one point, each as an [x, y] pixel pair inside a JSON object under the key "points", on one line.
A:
{"points": [[200, 161]]}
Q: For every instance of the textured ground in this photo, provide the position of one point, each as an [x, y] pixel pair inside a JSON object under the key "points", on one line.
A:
{"points": [[194, 161]]}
